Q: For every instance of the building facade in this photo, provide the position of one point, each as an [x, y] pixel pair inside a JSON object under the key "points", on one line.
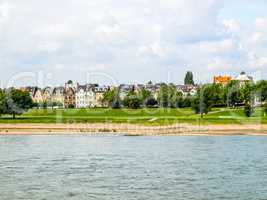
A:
{"points": [[47, 94], [58, 96], [37, 96], [224, 80], [243, 79], [85, 97]]}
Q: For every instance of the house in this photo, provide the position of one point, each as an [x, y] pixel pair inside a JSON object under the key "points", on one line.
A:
{"points": [[243, 78], [29, 89], [69, 98], [58, 96], [69, 94], [224, 80], [99, 94], [187, 89], [47, 94], [37, 95], [85, 96], [124, 89]]}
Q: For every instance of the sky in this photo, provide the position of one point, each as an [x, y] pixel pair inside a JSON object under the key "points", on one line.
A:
{"points": [[130, 41]]}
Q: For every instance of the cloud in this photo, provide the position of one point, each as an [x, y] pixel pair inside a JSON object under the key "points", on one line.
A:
{"points": [[232, 25], [146, 38], [261, 23]]}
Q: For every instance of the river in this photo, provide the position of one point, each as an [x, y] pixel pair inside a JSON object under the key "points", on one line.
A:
{"points": [[117, 167]]}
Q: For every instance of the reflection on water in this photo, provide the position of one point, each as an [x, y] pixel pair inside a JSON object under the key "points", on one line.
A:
{"points": [[86, 167]]}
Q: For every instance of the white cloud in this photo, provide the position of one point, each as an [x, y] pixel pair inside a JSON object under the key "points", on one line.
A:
{"points": [[232, 26], [261, 23], [135, 40]]}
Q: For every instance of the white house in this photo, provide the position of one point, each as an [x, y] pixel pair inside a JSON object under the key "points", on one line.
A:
{"points": [[85, 97], [187, 89], [243, 78]]}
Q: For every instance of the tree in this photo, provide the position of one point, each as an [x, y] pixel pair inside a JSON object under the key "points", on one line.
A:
{"points": [[163, 96], [70, 82], [208, 96], [233, 95], [247, 93], [217, 97], [111, 98], [132, 100], [189, 78], [200, 106], [17, 102], [168, 96], [2, 101], [248, 110], [264, 107], [134, 103], [184, 102], [261, 90], [144, 94], [174, 96]]}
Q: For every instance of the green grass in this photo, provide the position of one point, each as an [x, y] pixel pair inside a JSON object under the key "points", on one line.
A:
{"points": [[155, 116]]}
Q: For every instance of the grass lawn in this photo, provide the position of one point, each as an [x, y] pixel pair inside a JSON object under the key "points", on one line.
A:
{"points": [[154, 116]]}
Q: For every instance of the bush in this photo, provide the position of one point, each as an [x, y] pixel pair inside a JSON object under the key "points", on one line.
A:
{"points": [[116, 104], [151, 102]]}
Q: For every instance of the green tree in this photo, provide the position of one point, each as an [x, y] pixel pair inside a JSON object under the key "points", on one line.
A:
{"points": [[169, 96], [248, 110], [174, 96], [247, 93], [233, 94], [2, 101], [111, 98], [70, 82], [132, 100], [163, 96], [17, 102], [208, 96], [264, 107], [261, 90], [184, 102], [189, 78], [144, 94]]}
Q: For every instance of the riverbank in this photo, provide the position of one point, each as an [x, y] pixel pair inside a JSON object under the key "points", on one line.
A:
{"points": [[130, 129]]}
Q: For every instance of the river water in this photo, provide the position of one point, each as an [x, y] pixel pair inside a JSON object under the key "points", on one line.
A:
{"points": [[110, 167]]}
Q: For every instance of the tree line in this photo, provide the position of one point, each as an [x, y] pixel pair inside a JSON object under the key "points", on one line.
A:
{"points": [[233, 95], [208, 96], [167, 97]]}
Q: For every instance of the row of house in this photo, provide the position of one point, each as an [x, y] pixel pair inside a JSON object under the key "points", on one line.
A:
{"points": [[70, 96], [74, 95]]}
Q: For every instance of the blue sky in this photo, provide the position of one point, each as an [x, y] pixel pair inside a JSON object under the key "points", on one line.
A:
{"points": [[245, 11], [130, 41]]}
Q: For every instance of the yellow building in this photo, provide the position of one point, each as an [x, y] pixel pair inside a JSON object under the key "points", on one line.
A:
{"points": [[224, 80]]}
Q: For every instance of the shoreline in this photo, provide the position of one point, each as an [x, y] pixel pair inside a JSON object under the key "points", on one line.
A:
{"points": [[131, 129]]}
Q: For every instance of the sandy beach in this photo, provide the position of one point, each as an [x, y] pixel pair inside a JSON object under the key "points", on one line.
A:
{"points": [[131, 129]]}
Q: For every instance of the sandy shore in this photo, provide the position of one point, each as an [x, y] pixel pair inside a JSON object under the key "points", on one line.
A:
{"points": [[130, 129]]}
